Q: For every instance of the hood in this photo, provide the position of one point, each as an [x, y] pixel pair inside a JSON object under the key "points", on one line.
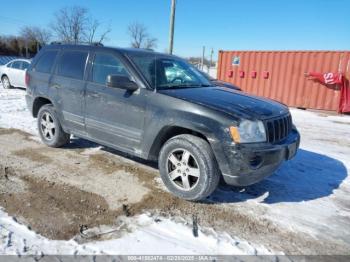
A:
{"points": [[230, 101], [225, 84]]}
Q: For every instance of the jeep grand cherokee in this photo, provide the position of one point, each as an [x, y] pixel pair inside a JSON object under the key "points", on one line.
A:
{"points": [[158, 107]]}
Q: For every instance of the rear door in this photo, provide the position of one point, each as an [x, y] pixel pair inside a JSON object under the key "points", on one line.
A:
{"points": [[113, 116], [40, 73], [69, 83]]}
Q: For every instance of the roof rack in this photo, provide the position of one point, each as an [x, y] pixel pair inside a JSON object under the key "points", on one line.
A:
{"points": [[78, 43]]}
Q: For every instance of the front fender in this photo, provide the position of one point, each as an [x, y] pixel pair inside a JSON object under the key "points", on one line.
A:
{"points": [[210, 124]]}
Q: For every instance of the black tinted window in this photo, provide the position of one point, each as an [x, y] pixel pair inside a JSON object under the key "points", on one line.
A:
{"points": [[17, 65], [104, 65], [72, 64], [46, 61]]}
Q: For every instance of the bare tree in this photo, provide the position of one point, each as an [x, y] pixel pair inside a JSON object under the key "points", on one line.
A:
{"points": [[28, 33], [75, 24], [93, 30], [35, 35], [151, 43], [43, 36], [140, 37]]}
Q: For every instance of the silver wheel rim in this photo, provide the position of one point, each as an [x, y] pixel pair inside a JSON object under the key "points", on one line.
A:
{"points": [[183, 169], [47, 126], [6, 82]]}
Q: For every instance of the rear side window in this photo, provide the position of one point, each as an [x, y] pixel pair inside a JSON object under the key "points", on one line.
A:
{"points": [[72, 64], [45, 63], [17, 65], [25, 65], [104, 65]]}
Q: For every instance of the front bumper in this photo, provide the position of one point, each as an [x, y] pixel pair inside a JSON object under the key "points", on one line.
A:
{"points": [[246, 164]]}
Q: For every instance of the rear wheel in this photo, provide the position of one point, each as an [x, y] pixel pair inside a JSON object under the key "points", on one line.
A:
{"points": [[188, 167], [50, 129], [6, 82]]}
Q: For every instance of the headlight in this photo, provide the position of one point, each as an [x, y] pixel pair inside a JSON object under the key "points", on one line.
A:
{"points": [[248, 132]]}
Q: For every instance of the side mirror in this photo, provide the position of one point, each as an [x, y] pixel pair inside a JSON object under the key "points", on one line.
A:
{"points": [[122, 82]]}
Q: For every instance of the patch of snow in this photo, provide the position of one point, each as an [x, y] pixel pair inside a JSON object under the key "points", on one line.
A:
{"points": [[147, 237], [14, 112]]}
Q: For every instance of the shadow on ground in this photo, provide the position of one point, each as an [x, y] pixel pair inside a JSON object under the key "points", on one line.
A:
{"points": [[80, 143], [308, 176]]}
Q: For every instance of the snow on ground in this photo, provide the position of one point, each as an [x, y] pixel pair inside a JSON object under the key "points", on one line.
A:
{"points": [[311, 192], [308, 194], [14, 113], [146, 237]]}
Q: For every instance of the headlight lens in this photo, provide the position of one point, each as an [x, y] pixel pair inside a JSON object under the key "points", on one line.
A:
{"points": [[248, 132]]}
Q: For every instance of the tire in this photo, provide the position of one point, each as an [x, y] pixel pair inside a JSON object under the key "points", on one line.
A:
{"points": [[50, 129], [185, 180], [6, 82]]}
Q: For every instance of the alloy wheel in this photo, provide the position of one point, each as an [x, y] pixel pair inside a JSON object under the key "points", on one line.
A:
{"points": [[183, 169], [6, 82], [48, 127]]}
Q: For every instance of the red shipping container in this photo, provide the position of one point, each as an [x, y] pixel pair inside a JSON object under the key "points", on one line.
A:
{"points": [[284, 79]]}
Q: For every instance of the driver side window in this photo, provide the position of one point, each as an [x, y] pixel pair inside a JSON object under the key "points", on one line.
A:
{"points": [[104, 65]]}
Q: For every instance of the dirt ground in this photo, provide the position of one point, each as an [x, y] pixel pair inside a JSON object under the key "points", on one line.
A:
{"points": [[59, 192]]}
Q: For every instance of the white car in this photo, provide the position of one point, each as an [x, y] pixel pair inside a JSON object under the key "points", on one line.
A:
{"points": [[12, 74]]}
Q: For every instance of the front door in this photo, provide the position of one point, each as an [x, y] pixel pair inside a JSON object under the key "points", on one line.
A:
{"points": [[113, 116]]}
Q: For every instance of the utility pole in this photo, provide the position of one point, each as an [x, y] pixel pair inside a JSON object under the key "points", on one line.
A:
{"points": [[211, 59], [202, 60], [172, 24]]}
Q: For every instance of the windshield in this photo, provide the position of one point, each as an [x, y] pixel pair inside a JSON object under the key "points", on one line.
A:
{"points": [[163, 72], [207, 76]]}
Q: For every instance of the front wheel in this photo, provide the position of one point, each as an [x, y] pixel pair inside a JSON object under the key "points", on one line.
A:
{"points": [[50, 129], [188, 167], [6, 82]]}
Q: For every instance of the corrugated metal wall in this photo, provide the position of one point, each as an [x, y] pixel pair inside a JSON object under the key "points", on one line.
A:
{"points": [[285, 81]]}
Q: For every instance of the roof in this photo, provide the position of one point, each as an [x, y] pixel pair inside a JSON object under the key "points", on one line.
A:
{"points": [[99, 47], [19, 59]]}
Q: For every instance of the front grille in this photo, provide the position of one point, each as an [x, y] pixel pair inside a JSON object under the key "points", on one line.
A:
{"points": [[278, 128]]}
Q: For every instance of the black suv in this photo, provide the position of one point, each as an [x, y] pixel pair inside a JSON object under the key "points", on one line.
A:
{"points": [[158, 107]]}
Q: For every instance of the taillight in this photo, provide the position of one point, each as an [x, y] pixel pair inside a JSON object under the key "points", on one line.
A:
{"points": [[27, 79]]}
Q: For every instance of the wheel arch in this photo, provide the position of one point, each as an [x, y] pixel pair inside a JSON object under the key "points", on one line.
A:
{"points": [[169, 132], [38, 103]]}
